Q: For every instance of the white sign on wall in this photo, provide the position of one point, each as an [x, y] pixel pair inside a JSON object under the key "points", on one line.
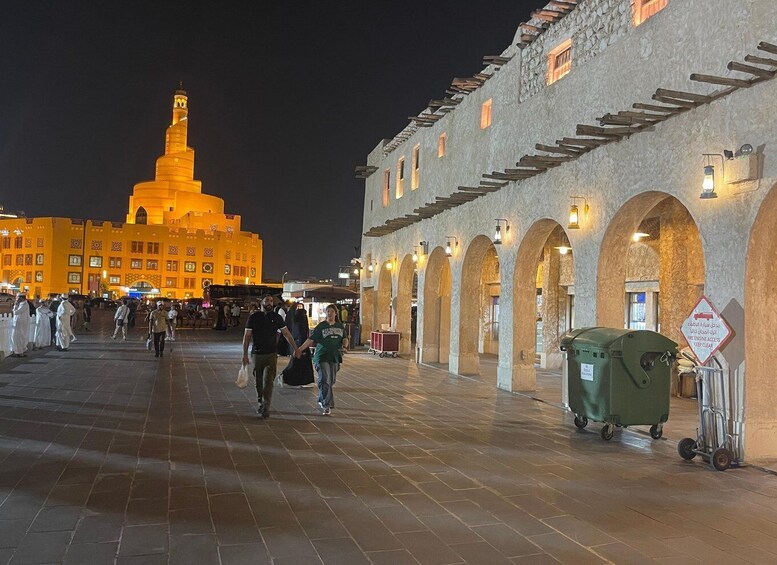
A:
{"points": [[587, 371], [705, 330]]}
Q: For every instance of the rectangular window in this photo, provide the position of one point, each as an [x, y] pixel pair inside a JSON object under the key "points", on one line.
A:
{"points": [[17, 242], [6, 243], [136, 263], [28, 259], [136, 246], [637, 311], [152, 248], [20, 260], [27, 242], [415, 172], [74, 278], [114, 279], [39, 258], [190, 266], [114, 262], [400, 178], [188, 282], [644, 9], [38, 276], [6, 260], [485, 114], [386, 186], [441, 145], [172, 266], [171, 282], [152, 264], [39, 242], [74, 260], [560, 61], [96, 261]]}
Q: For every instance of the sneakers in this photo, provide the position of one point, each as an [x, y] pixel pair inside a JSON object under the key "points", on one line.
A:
{"points": [[326, 412], [74, 339], [113, 337]]}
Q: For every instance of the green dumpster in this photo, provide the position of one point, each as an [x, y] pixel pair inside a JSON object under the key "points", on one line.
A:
{"points": [[619, 377]]}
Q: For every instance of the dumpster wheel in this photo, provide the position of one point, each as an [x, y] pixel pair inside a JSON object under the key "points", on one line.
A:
{"points": [[721, 459], [580, 421], [686, 448], [656, 431], [607, 432]]}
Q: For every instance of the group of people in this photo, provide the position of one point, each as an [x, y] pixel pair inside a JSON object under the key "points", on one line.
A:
{"points": [[44, 323], [263, 331]]}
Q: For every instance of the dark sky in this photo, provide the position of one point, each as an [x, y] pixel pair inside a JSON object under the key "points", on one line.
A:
{"points": [[285, 99]]}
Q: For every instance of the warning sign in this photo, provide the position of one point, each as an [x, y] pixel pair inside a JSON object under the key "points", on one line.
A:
{"points": [[705, 330]]}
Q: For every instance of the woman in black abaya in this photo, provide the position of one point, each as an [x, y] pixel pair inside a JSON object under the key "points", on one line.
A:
{"points": [[299, 372]]}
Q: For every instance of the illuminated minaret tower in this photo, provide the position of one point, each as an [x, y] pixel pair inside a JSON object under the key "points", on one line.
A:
{"points": [[174, 197]]}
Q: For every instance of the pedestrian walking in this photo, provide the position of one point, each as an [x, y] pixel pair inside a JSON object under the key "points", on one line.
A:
{"points": [[236, 314], [329, 338], [299, 371], [120, 319], [262, 329], [87, 316], [158, 324], [64, 331], [21, 326], [172, 317], [43, 317]]}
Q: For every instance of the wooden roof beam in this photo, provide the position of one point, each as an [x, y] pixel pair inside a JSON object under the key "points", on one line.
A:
{"points": [[760, 61], [559, 150], [681, 95], [768, 47], [655, 108], [756, 71], [682, 103], [725, 81]]}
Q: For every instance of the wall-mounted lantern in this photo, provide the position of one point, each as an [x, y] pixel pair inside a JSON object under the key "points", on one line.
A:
{"points": [[498, 232], [451, 239], [574, 212]]}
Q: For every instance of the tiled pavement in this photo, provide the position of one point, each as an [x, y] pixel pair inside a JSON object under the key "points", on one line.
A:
{"points": [[111, 456]]}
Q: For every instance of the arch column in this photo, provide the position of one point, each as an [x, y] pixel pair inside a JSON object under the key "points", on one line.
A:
{"points": [[505, 367], [434, 309], [404, 301]]}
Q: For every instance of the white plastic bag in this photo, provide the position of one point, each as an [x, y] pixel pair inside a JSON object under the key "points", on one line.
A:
{"points": [[149, 343], [242, 377]]}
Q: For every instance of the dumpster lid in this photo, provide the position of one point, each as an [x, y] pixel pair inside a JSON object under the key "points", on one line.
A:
{"points": [[612, 338]]}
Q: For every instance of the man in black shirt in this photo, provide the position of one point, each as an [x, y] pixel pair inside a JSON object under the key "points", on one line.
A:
{"points": [[262, 328]]}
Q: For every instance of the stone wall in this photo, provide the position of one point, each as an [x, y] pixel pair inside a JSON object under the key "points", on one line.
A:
{"points": [[592, 26]]}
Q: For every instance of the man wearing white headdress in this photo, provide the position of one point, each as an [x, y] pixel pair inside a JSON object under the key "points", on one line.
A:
{"points": [[64, 332], [43, 316], [21, 326]]}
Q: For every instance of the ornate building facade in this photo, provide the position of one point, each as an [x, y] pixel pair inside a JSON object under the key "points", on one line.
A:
{"points": [[175, 241]]}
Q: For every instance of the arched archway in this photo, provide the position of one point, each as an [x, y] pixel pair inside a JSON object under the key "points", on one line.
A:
{"points": [[760, 332], [478, 305], [652, 283], [141, 216], [435, 344], [544, 270], [404, 303]]}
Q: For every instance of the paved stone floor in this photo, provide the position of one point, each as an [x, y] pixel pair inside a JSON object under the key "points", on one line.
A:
{"points": [[109, 455]]}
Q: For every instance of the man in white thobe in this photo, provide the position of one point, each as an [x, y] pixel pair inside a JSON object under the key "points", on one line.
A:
{"points": [[43, 317], [64, 312], [21, 326]]}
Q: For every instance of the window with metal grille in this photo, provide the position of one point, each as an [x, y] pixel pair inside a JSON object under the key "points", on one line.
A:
{"points": [[560, 61]]}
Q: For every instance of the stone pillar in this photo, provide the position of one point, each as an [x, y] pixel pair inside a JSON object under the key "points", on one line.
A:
{"points": [[367, 312], [551, 322], [681, 272], [464, 358]]}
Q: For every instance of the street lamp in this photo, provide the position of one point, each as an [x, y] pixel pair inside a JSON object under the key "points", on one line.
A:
{"points": [[283, 277]]}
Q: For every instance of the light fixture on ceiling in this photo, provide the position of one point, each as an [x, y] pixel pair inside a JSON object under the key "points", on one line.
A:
{"points": [[639, 235], [564, 247]]}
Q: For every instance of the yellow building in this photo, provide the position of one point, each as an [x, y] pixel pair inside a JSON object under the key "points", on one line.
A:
{"points": [[176, 240]]}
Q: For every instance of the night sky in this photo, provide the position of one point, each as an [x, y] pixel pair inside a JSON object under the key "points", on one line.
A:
{"points": [[285, 99]]}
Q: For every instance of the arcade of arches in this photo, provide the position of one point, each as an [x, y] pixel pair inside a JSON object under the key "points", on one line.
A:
{"points": [[484, 304]]}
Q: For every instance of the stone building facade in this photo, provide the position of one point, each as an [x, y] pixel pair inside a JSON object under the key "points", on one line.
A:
{"points": [[618, 108], [176, 240]]}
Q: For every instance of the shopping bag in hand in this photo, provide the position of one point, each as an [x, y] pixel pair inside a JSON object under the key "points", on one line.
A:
{"points": [[242, 377], [149, 343]]}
